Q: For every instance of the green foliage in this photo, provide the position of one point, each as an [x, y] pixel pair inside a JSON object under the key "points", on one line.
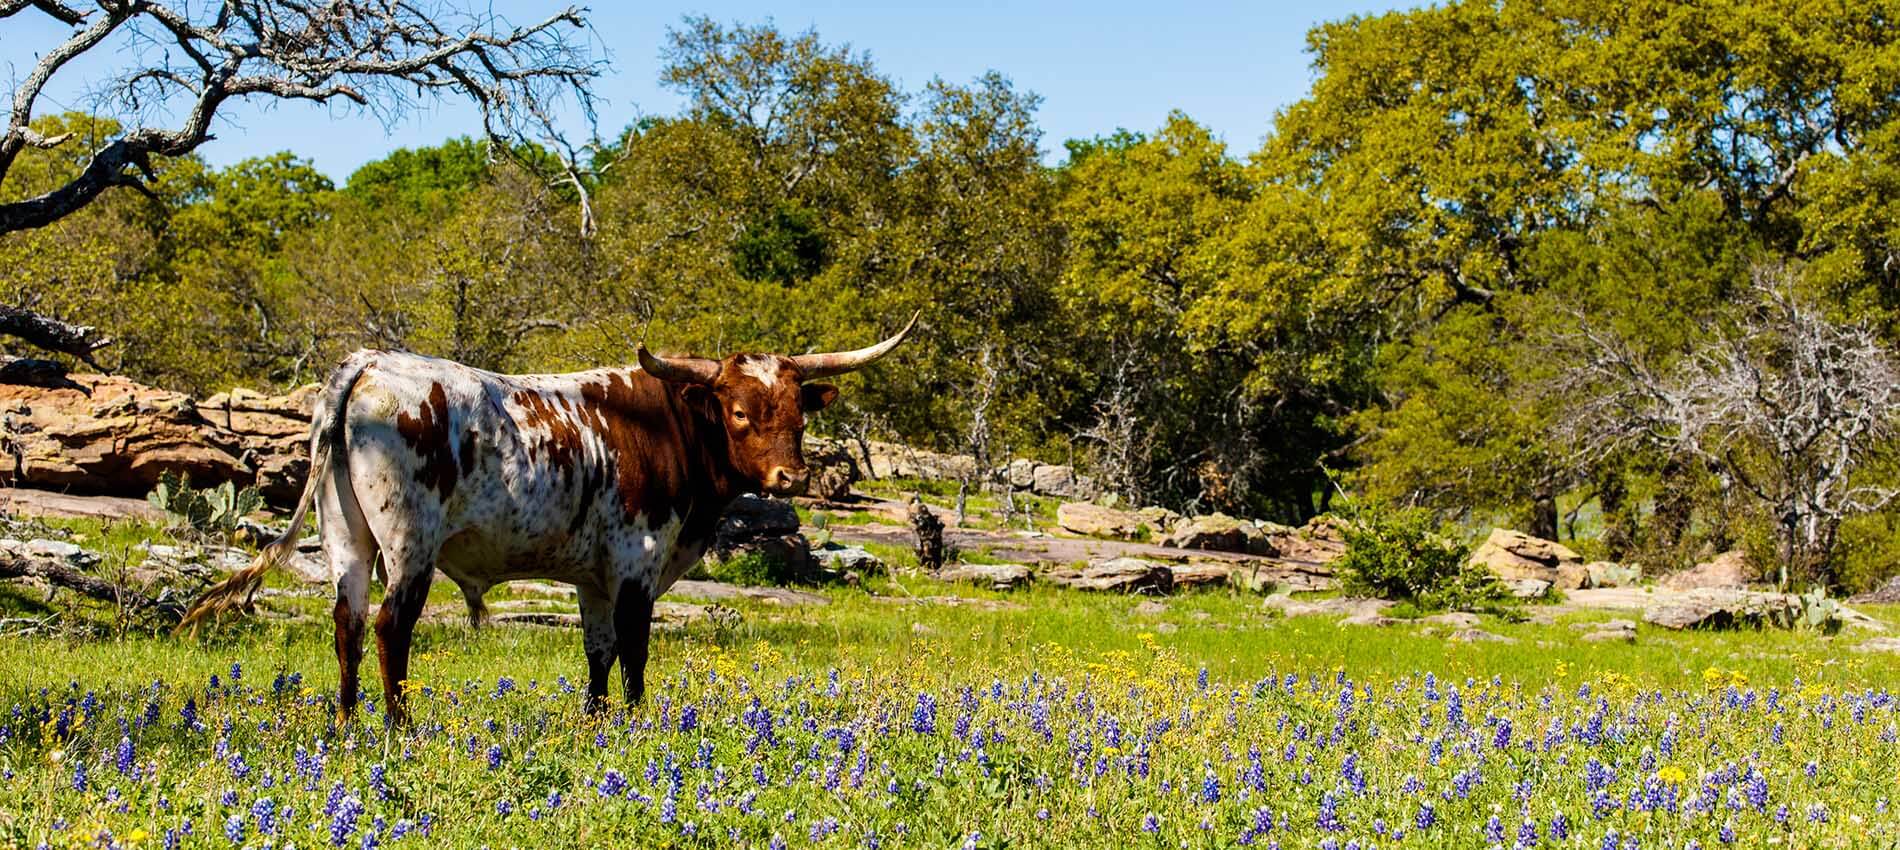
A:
{"points": [[215, 510], [1404, 554]]}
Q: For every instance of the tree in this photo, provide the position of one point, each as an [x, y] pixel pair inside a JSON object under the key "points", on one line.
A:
{"points": [[1785, 408], [376, 54]]}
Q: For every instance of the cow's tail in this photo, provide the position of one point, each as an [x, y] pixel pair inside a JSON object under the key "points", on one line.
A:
{"points": [[326, 448]]}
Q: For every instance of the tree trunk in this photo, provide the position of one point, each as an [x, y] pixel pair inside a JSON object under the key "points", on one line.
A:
{"points": [[1544, 514]]}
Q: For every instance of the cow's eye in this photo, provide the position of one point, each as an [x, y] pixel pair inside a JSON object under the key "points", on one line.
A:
{"points": [[738, 415]]}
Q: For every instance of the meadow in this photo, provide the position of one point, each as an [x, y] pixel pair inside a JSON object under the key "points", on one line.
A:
{"points": [[1043, 719]]}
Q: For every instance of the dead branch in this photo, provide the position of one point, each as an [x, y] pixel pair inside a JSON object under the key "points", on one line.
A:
{"points": [[52, 571], [382, 55], [52, 334]]}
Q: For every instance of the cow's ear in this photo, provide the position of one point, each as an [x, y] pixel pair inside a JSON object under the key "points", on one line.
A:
{"points": [[816, 397], [702, 399]]}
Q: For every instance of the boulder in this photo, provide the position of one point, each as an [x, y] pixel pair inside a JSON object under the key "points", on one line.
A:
{"points": [[1612, 574], [1722, 608], [118, 440], [1261, 575], [1727, 570], [1527, 588], [834, 556], [1021, 473], [1514, 555], [1319, 541], [752, 517], [1124, 575], [1221, 533], [1051, 480], [1097, 521], [994, 576]]}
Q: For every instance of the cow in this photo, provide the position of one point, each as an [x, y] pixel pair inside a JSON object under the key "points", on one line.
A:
{"points": [[611, 480]]}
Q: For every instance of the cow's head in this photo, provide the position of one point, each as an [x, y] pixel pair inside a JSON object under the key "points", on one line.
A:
{"points": [[761, 401]]}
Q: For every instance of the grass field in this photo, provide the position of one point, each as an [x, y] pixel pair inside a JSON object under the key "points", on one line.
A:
{"points": [[1057, 720]]}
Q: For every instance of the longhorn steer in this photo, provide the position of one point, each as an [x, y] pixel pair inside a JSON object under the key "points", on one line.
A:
{"points": [[610, 480]]}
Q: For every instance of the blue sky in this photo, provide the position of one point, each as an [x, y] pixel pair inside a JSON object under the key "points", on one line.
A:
{"points": [[1097, 65]]}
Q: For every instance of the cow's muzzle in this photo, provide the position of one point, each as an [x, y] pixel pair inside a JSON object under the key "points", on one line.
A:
{"points": [[786, 481]]}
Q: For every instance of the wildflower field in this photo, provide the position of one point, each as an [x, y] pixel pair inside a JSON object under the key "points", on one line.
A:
{"points": [[1061, 720]]}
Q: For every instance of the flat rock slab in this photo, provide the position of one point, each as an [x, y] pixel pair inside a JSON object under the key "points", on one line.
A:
{"points": [[721, 591], [1722, 608], [954, 602], [1879, 644], [1339, 606], [1118, 575], [994, 576], [20, 501], [1046, 550]]}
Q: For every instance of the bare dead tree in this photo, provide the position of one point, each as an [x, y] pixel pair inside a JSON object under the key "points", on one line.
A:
{"points": [[384, 56], [1119, 434], [977, 439], [1785, 409]]}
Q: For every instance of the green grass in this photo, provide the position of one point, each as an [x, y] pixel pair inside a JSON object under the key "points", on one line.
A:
{"points": [[1089, 662]]}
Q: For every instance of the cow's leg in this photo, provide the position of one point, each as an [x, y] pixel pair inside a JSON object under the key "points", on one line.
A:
{"points": [[598, 636], [633, 624], [395, 628], [350, 551]]}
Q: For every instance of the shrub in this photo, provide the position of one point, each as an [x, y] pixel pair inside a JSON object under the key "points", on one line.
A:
{"points": [[1403, 554]]}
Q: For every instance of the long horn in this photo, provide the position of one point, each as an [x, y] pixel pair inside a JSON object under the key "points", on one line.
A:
{"points": [[840, 362], [684, 370]]}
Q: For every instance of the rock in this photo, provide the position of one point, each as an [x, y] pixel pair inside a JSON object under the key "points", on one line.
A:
{"points": [[1622, 631], [834, 556], [1261, 575], [1515, 555], [953, 602], [63, 550], [751, 517], [1479, 636], [1021, 473], [120, 439], [1052, 480], [1336, 606], [1151, 608], [833, 470], [1319, 541], [1527, 588], [1722, 608], [1886, 594], [1879, 644], [1376, 620], [769, 595], [1454, 619], [1727, 570], [996, 576], [1221, 533], [1097, 521], [1199, 574], [1612, 574], [1125, 575]]}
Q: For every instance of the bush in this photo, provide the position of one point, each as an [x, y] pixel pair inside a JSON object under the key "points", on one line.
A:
{"points": [[1404, 555]]}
